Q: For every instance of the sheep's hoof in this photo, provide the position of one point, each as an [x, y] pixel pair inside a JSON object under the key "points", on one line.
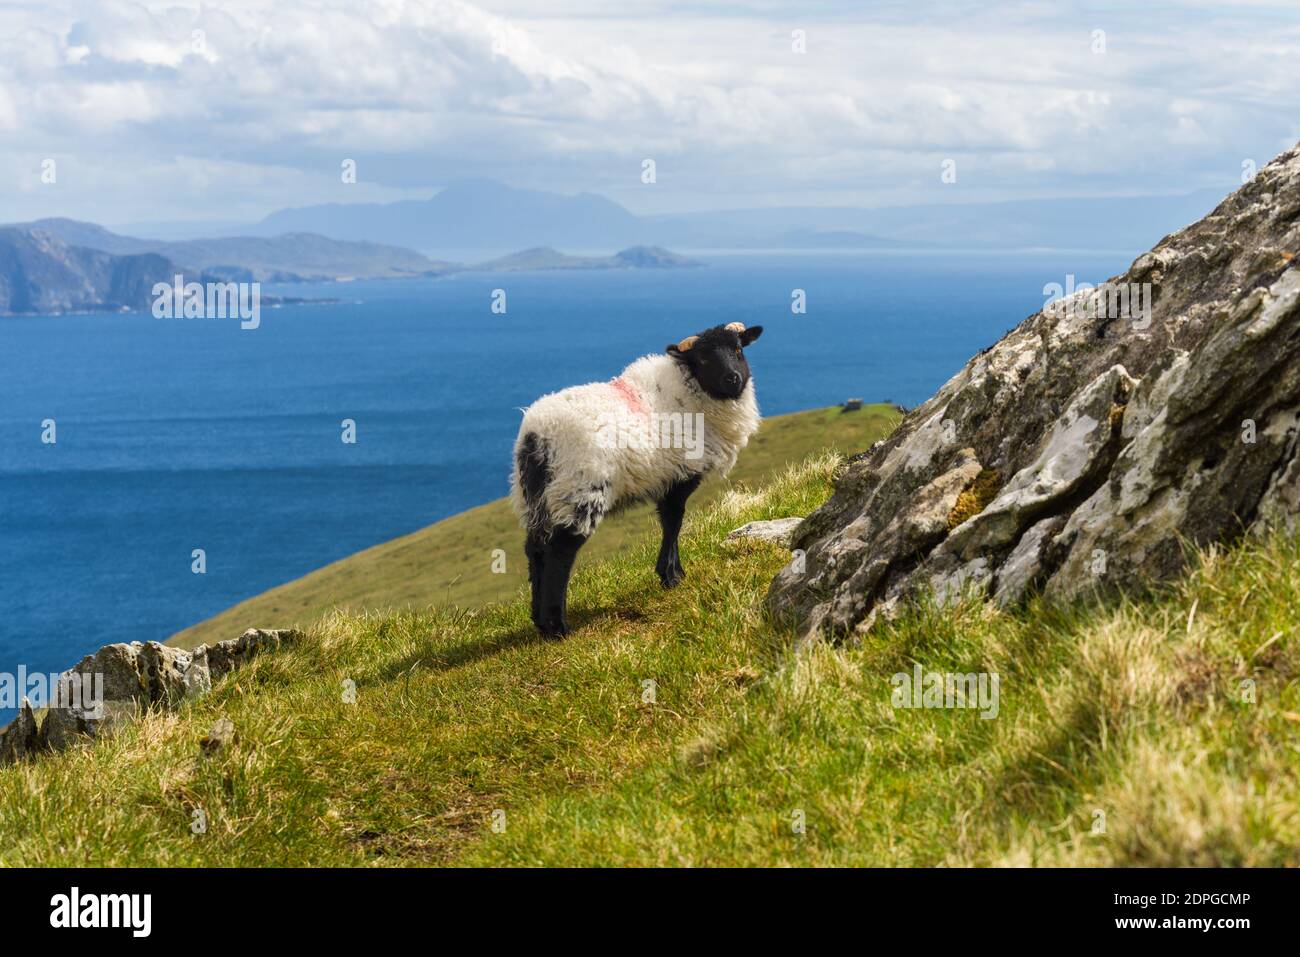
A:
{"points": [[553, 630], [672, 578]]}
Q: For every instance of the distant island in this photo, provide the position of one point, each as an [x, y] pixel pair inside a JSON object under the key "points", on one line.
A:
{"points": [[635, 257], [58, 266]]}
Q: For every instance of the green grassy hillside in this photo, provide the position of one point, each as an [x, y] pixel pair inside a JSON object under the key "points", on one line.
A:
{"points": [[450, 562], [678, 728]]}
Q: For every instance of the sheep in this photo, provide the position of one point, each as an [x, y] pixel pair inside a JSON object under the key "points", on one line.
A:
{"points": [[650, 434]]}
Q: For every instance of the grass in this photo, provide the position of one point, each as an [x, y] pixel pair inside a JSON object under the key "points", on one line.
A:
{"points": [[451, 562], [472, 742]]}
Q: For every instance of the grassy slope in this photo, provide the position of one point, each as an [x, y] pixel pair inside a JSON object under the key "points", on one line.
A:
{"points": [[450, 562], [1133, 709]]}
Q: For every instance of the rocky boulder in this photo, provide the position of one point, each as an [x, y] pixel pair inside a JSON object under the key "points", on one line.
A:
{"points": [[21, 736], [1092, 443], [778, 531], [119, 681]]}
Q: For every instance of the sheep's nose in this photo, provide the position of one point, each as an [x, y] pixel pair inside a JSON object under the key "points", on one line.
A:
{"points": [[733, 379]]}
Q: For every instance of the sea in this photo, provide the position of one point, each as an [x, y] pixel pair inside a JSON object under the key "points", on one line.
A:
{"points": [[172, 435]]}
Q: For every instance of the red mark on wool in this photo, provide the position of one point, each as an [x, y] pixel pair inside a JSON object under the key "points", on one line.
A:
{"points": [[630, 395]]}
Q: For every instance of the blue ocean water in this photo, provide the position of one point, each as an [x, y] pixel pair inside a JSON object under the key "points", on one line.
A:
{"points": [[177, 434]]}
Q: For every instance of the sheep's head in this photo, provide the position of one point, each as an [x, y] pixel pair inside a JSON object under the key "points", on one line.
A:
{"points": [[716, 358]]}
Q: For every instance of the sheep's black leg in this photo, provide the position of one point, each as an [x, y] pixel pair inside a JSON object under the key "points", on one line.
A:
{"points": [[557, 564], [535, 549], [531, 460], [672, 507]]}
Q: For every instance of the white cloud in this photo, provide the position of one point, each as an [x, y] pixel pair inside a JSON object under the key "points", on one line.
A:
{"points": [[235, 107]]}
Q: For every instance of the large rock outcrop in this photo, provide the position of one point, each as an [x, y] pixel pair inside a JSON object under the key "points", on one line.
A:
{"points": [[1093, 442], [120, 681]]}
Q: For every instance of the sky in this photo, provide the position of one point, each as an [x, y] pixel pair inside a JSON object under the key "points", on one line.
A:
{"points": [[230, 109]]}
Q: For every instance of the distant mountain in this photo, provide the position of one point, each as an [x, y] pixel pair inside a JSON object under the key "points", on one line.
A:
{"points": [[285, 258], [481, 217], [181, 229], [544, 257], [1130, 223], [653, 257], [1103, 223], [53, 264], [40, 273], [63, 265], [832, 239], [539, 257], [469, 216]]}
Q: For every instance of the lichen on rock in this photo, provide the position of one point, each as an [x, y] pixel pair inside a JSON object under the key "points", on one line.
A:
{"points": [[975, 497]]}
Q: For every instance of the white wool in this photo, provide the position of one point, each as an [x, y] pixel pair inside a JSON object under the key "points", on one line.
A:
{"points": [[591, 476]]}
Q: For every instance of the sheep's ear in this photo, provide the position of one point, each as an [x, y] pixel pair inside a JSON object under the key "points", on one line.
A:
{"points": [[750, 334]]}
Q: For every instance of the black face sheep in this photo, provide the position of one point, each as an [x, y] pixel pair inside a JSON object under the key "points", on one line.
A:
{"points": [[651, 434]]}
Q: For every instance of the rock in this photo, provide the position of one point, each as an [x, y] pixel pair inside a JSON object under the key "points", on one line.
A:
{"points": [[233, 652], [119, 681], [114, 685], [1025, 562], [1087, 446], [778, 531], [851, 405], [1077, 446], [221, 736], [20, 737]]}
